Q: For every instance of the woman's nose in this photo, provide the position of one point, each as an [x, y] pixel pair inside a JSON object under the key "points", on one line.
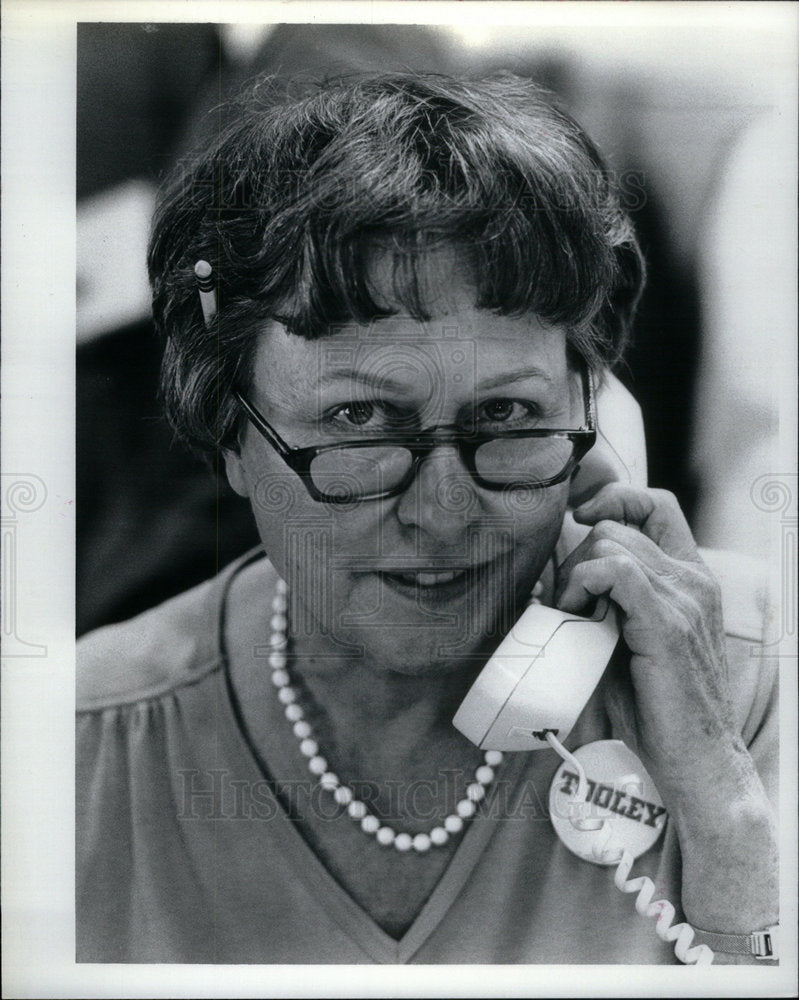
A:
{"points": [[442, 499]]}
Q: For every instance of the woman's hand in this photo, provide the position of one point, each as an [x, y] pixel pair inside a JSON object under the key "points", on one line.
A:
{"points": [[640, 552]]}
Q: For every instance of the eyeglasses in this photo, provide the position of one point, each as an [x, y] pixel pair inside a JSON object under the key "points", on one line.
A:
{"points": [[382, 467]]}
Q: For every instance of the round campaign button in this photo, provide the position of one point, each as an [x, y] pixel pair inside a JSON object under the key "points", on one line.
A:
{"points": [[618, 791]]}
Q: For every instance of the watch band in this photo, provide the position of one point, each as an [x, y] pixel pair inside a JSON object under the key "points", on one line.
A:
{"points": [[760, 944]]}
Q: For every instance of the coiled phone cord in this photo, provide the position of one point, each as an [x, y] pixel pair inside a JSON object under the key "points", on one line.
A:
{"points": [[608, 850]]}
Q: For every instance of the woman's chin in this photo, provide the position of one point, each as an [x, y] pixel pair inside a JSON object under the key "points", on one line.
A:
{"points": [[429, 623], [433, 653]]}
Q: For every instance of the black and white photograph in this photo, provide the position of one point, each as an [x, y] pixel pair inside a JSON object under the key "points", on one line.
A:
{"points": [[399, 499]]}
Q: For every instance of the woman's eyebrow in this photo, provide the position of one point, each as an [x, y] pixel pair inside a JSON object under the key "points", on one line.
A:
{"points": [[380, 380], [517, 375], [375, 380]]}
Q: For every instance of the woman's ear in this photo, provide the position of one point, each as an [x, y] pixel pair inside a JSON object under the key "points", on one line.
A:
{"points": [[236, 473]]}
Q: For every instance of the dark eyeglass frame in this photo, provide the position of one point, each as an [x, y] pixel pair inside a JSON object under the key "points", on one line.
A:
{"points": [[421, 444]]}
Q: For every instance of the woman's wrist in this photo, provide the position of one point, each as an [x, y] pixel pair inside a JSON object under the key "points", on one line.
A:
{"points": [[730, 871], [721, 780]]}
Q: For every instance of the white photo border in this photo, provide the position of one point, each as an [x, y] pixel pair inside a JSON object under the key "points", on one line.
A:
{"points": [[38, 434]]}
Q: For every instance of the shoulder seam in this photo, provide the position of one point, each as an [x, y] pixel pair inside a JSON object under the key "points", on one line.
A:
{"points": [[744, 593], [137, 697]]}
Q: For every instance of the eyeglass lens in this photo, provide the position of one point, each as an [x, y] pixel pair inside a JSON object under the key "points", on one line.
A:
{"points": [[349, 473]]}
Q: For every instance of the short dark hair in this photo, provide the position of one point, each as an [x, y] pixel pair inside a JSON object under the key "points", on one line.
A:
{"points": [[302, 188]]}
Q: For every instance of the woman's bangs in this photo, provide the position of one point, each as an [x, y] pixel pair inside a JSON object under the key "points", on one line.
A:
{"points": [[518, 265]]}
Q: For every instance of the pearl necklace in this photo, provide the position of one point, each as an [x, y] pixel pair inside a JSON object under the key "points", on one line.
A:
{"points": [[386, 836]]}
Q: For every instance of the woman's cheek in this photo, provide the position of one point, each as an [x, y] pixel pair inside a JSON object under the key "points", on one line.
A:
{"points": [[531, 519], [327, 554]]}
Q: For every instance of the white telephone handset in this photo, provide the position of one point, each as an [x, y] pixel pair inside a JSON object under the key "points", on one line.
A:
{"points": [[539, 679], [532, 690], [547, 667]]}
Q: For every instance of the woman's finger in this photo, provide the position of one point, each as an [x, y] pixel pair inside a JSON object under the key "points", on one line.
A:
{"points": [[609, 538], [656, 512], [622, 578]]}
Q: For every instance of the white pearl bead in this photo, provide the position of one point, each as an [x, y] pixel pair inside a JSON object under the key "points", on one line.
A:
{"points": [[309, 748], [277, 641], [465, 808], [317, 765], [453, 824], [421, 843], [439, 835], [277, 659], [293, 712], [279, 623], [484, 774], [370, 824], [281, 587], [343, 796], [403, 842], [385, 836], [493, 757], [356, 809], [287, 695], [329, 781], [301, 729], [279, 605], [280, 678], [475, 792]]}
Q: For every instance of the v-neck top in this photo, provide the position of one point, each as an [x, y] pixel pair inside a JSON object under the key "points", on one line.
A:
{"points": [[187, 853]]}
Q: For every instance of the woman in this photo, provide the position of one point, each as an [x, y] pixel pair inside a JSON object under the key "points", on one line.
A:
{"points": [[438, 272]]}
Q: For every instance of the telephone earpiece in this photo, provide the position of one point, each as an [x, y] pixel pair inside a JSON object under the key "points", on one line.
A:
{"points": [[619, 454]]}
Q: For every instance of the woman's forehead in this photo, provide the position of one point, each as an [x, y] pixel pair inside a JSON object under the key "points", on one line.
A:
{"points": [[456, 343], [461, 346]]}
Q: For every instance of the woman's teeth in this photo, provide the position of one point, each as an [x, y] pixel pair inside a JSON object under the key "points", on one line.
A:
{"points": [[430, 579]]}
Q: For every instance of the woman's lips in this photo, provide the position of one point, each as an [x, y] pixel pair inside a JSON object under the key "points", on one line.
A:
{"points": [[431, 583], [430, 578]]}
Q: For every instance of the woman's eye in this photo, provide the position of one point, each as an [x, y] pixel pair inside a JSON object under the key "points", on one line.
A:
{"points": [[507, 411], [356, 414], [372, 416]]}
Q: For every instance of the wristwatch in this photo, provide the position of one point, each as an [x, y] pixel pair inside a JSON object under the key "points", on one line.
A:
{"points": [[760, 944]]}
